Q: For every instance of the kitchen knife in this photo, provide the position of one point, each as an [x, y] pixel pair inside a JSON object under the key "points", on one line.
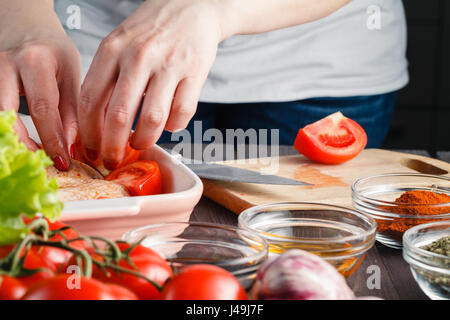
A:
{"points": [[214, 171], [221, 172]]}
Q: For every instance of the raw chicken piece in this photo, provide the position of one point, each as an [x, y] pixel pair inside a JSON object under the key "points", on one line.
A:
{"points": [[81, 182]]}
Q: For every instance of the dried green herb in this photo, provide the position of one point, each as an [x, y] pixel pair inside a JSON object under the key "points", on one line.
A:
{"points": [[440, 246], [438, 281]]}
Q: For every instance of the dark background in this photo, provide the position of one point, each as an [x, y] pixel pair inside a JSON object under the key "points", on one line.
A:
{"points": [[422, 114]]}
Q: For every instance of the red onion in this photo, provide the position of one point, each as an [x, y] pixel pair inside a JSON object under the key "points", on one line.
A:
{"points": [[299, 275]]}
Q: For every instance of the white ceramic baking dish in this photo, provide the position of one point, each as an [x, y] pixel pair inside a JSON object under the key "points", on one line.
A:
{"points": [[182, 190]]}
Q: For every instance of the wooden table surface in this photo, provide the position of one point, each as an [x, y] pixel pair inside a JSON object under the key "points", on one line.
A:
{"points": [[396, 280]]}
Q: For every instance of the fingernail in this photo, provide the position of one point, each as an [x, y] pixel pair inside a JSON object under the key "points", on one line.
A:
{"points": [[59, 162], [91, 154], [110, 165], [72, 151]]}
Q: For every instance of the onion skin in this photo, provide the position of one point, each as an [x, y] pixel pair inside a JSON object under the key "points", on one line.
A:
{"points": [[300, 275]]}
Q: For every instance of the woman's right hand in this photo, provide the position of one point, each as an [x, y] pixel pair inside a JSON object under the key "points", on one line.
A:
{"points": [[38, 60]]}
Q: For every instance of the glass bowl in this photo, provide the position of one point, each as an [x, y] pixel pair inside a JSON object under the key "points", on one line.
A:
{"points": [[376, 196], [339, 235], [185, 243], [430, 270]]}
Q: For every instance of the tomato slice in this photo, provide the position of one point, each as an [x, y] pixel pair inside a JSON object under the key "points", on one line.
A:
{"points": [[331, 140], [140, 178], [131, 155]]}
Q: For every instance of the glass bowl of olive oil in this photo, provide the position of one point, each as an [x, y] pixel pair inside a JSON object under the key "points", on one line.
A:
{"points": [[236, 250], [340, 235]]}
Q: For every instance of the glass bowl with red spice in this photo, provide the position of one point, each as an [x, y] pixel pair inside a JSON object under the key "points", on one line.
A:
{"points": [[426, 248], [399, 201]]}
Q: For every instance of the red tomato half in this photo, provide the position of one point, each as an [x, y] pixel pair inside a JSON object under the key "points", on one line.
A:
{"points": [[140, 178], [203, 282], [331, 140], [67, 287]]}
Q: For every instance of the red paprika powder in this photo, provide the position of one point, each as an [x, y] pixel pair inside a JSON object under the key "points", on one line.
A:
{"points": [[415, 202]]}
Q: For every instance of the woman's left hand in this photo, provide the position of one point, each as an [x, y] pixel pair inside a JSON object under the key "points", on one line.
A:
{"points": [[163, 51]]}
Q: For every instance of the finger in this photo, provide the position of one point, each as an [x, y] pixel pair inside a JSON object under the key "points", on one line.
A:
{"points": [[24, 136], [155, 110], [95, 94], [10, 100], [184, 103], [68, 102], [42, 94], [121, 111]]}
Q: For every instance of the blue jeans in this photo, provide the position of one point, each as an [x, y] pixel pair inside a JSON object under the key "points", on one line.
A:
{"points": [[373, 113]]}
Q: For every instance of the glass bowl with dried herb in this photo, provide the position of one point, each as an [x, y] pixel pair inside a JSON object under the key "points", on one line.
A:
{"points": [[426, 248], [399, 201]]}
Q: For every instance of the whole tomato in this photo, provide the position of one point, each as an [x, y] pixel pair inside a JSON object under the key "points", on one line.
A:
{"points": [[57, 256], [66, 287], [35, 261], [47, 258], [32, 261], [203, 282], [11, 288], [144, 261]]}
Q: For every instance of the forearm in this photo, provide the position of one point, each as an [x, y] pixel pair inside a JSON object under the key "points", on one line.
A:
{"points": [[256, 16], [24, 18]]}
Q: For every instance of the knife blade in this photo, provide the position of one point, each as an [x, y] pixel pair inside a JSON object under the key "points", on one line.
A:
{"points": [[226, 173], [220, 172]]}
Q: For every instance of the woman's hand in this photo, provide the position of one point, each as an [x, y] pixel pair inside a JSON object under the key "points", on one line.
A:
{"points": [[38, 60], [163, 51]]}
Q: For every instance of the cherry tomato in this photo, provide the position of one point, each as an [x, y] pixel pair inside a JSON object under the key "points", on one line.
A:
{"points": [[11, 288], [32, 261], [147, 262], [140, 178], [47, 258], [57, 256], [131, 155], [203, 282], [331, 140], [68, 287]]}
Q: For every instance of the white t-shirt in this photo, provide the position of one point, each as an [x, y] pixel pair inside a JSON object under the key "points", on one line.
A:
{"points": [[357, 50]]}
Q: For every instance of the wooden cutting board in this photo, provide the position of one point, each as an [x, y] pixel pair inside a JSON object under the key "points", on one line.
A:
{"points": [[331, 183]]}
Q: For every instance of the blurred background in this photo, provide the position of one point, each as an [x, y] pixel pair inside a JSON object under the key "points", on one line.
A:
{"points": [[422, 113]]}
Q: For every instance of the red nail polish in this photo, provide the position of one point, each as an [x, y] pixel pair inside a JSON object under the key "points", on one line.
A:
{"points": [[59, 162], [110, 165], [91, 154], [72, 151]]}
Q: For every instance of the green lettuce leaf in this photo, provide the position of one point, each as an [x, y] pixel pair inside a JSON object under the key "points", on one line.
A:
{"points": [[12, 230], [24, 186]]}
